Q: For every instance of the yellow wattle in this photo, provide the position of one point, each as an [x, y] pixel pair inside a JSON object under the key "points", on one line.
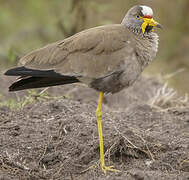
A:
{"points": [[148, 21], [144, 25]]}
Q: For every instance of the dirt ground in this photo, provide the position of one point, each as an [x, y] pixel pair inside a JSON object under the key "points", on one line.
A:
{"points": [[146, 135]]}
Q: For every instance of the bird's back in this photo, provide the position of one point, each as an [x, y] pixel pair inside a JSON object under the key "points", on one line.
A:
{"points": [[94, 53]]}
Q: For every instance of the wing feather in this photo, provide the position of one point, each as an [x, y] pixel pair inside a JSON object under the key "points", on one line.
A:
{"points": [[94, 52]]}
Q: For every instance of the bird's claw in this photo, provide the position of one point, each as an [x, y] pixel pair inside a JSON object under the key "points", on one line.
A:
{"points": [[109, 168]]}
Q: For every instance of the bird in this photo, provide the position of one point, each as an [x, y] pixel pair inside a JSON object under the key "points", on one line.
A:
{"points": [[106, 58]]}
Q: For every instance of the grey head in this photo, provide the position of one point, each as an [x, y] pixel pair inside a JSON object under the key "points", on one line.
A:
{"points": [[140, 20]]}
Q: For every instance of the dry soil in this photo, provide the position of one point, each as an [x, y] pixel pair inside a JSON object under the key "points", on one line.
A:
{"points": [[146, 135]]}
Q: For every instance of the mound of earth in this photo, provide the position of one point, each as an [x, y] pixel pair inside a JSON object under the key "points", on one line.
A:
{"points": [[145, 136]]}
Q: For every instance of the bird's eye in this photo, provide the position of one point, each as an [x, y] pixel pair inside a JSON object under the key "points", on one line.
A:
{"points": [[138, 17]]}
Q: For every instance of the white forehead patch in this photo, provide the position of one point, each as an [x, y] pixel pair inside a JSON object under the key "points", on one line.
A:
{"points": [[147, 11]]}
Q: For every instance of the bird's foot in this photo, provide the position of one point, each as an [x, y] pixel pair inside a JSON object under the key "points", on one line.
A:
{"points": [[109, 168]]}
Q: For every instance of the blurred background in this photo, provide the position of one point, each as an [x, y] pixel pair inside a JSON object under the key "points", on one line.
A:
{"points": [[29, 24]]}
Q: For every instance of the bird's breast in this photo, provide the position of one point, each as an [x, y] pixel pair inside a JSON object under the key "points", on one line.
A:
{"points": [[146, 49]]}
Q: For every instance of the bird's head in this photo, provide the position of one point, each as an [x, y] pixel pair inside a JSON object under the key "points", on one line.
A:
{"points": [[140, 19]]}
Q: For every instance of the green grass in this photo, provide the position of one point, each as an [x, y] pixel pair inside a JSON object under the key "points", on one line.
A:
{"points": [[30, 98]]}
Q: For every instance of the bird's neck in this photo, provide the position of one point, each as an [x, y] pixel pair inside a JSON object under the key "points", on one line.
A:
{"points": [[146, 47], [138, 31]]}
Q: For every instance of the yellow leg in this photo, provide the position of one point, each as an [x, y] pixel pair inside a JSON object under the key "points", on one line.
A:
{"points": [[99, 122]]}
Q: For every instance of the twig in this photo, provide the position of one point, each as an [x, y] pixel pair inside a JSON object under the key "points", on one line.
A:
{"points": [[126, 138], [45, 150]]}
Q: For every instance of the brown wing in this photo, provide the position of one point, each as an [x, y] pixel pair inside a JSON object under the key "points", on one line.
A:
{"points": [[92, 53]]}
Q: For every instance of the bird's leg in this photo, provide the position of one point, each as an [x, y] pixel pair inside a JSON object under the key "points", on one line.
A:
{"points": [[99, 122]]}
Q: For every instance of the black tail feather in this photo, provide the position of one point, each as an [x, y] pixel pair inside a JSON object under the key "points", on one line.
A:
{"points": [[32, 78], [23, 71], [39, 82]]}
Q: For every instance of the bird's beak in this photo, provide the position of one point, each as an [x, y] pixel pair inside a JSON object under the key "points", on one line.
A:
{"points": [[150, 22]]}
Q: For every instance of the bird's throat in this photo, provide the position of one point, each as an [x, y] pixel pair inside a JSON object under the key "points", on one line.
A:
{"points": [[148, 29]]}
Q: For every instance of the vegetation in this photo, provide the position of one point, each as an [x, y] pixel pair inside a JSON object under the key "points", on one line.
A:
{"points": [[31, 97]]}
